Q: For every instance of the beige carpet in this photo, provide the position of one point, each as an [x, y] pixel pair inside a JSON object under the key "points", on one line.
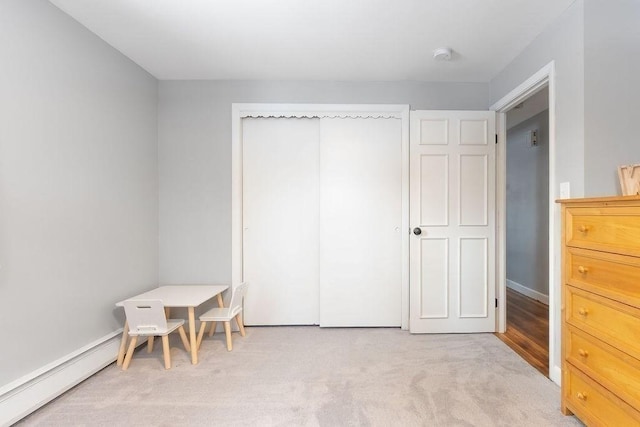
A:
{"points": [[307, 376]]}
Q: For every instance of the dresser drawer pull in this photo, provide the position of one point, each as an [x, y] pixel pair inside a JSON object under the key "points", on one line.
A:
{"points": [[582, 269], [583, 229], [583, 353], [583, 311], [582, 396]]}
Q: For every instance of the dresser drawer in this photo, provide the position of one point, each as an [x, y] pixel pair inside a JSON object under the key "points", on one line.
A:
{"points": [[594, 404], [614, 323], [615, 370], [610, 229], [611, 275]]}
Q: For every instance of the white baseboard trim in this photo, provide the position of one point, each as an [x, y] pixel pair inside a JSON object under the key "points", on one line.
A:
{"points": [[555, 374], [528, 292], [24, 395]]}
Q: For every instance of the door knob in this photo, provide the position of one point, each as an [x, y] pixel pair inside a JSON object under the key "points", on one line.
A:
{"points": [[417, 231]]}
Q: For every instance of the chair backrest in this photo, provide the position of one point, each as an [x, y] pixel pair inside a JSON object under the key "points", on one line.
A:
{"points": [[145, 317], [237, 294]]}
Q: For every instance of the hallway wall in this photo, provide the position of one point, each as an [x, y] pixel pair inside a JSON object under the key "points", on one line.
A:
{"points": [[528, 207]]}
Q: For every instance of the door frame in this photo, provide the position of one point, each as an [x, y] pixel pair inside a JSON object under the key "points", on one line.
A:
{"points": [[543, 77], [244, 110]]}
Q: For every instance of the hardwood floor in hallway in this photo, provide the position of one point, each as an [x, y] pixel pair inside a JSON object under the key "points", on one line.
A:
{"points": [[528, 330]]}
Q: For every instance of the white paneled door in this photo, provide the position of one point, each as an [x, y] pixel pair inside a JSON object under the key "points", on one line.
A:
{"points": [[452, 217]]}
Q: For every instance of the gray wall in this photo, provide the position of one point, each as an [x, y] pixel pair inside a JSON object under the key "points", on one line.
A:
{"points": [[612, 92], [562, 42], [195, 156], [528, 205], [78, 185]]}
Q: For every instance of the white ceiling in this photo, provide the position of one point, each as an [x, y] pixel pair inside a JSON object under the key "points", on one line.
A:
{"points": [[356, 40]]}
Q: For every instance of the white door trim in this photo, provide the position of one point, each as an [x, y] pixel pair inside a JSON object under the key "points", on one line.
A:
{"points": [[543, 77], [241, 110]]}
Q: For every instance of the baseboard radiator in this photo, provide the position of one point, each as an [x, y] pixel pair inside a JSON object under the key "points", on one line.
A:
{"points": [[24, 395]]}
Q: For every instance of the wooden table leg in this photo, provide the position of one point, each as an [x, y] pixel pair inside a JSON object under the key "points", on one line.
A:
{"points": [[192, 336], [123, 344]]}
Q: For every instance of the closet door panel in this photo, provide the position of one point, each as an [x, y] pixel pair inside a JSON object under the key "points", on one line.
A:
{"points": [[360, 218], [280, 220]]}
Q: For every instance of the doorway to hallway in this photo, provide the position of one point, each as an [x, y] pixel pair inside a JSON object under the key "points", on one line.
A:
{"points": [[528, 330]]}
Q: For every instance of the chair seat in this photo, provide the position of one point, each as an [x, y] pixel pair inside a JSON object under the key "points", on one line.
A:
{"points": [[172, 325], [219, 315]]}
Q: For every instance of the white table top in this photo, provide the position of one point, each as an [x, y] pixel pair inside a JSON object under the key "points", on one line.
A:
{"points": [[181, 295]]}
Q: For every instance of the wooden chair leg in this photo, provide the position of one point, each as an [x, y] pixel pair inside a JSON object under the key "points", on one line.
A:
{"points": [[185, 341], [127, 358], [166, 351], [227, 331], [150, 344], [203, 326], [123, 344], [240, 324], [213, 328]]}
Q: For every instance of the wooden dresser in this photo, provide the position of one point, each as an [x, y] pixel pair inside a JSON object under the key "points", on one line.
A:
{"points": [[601, 310]]}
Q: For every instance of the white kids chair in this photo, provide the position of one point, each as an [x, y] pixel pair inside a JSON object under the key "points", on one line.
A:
{"points": [[146, 318], [225, 315]]}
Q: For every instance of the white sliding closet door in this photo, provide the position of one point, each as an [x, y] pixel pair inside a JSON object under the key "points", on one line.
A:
{"points": [[360, 219], [280, 220]]}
